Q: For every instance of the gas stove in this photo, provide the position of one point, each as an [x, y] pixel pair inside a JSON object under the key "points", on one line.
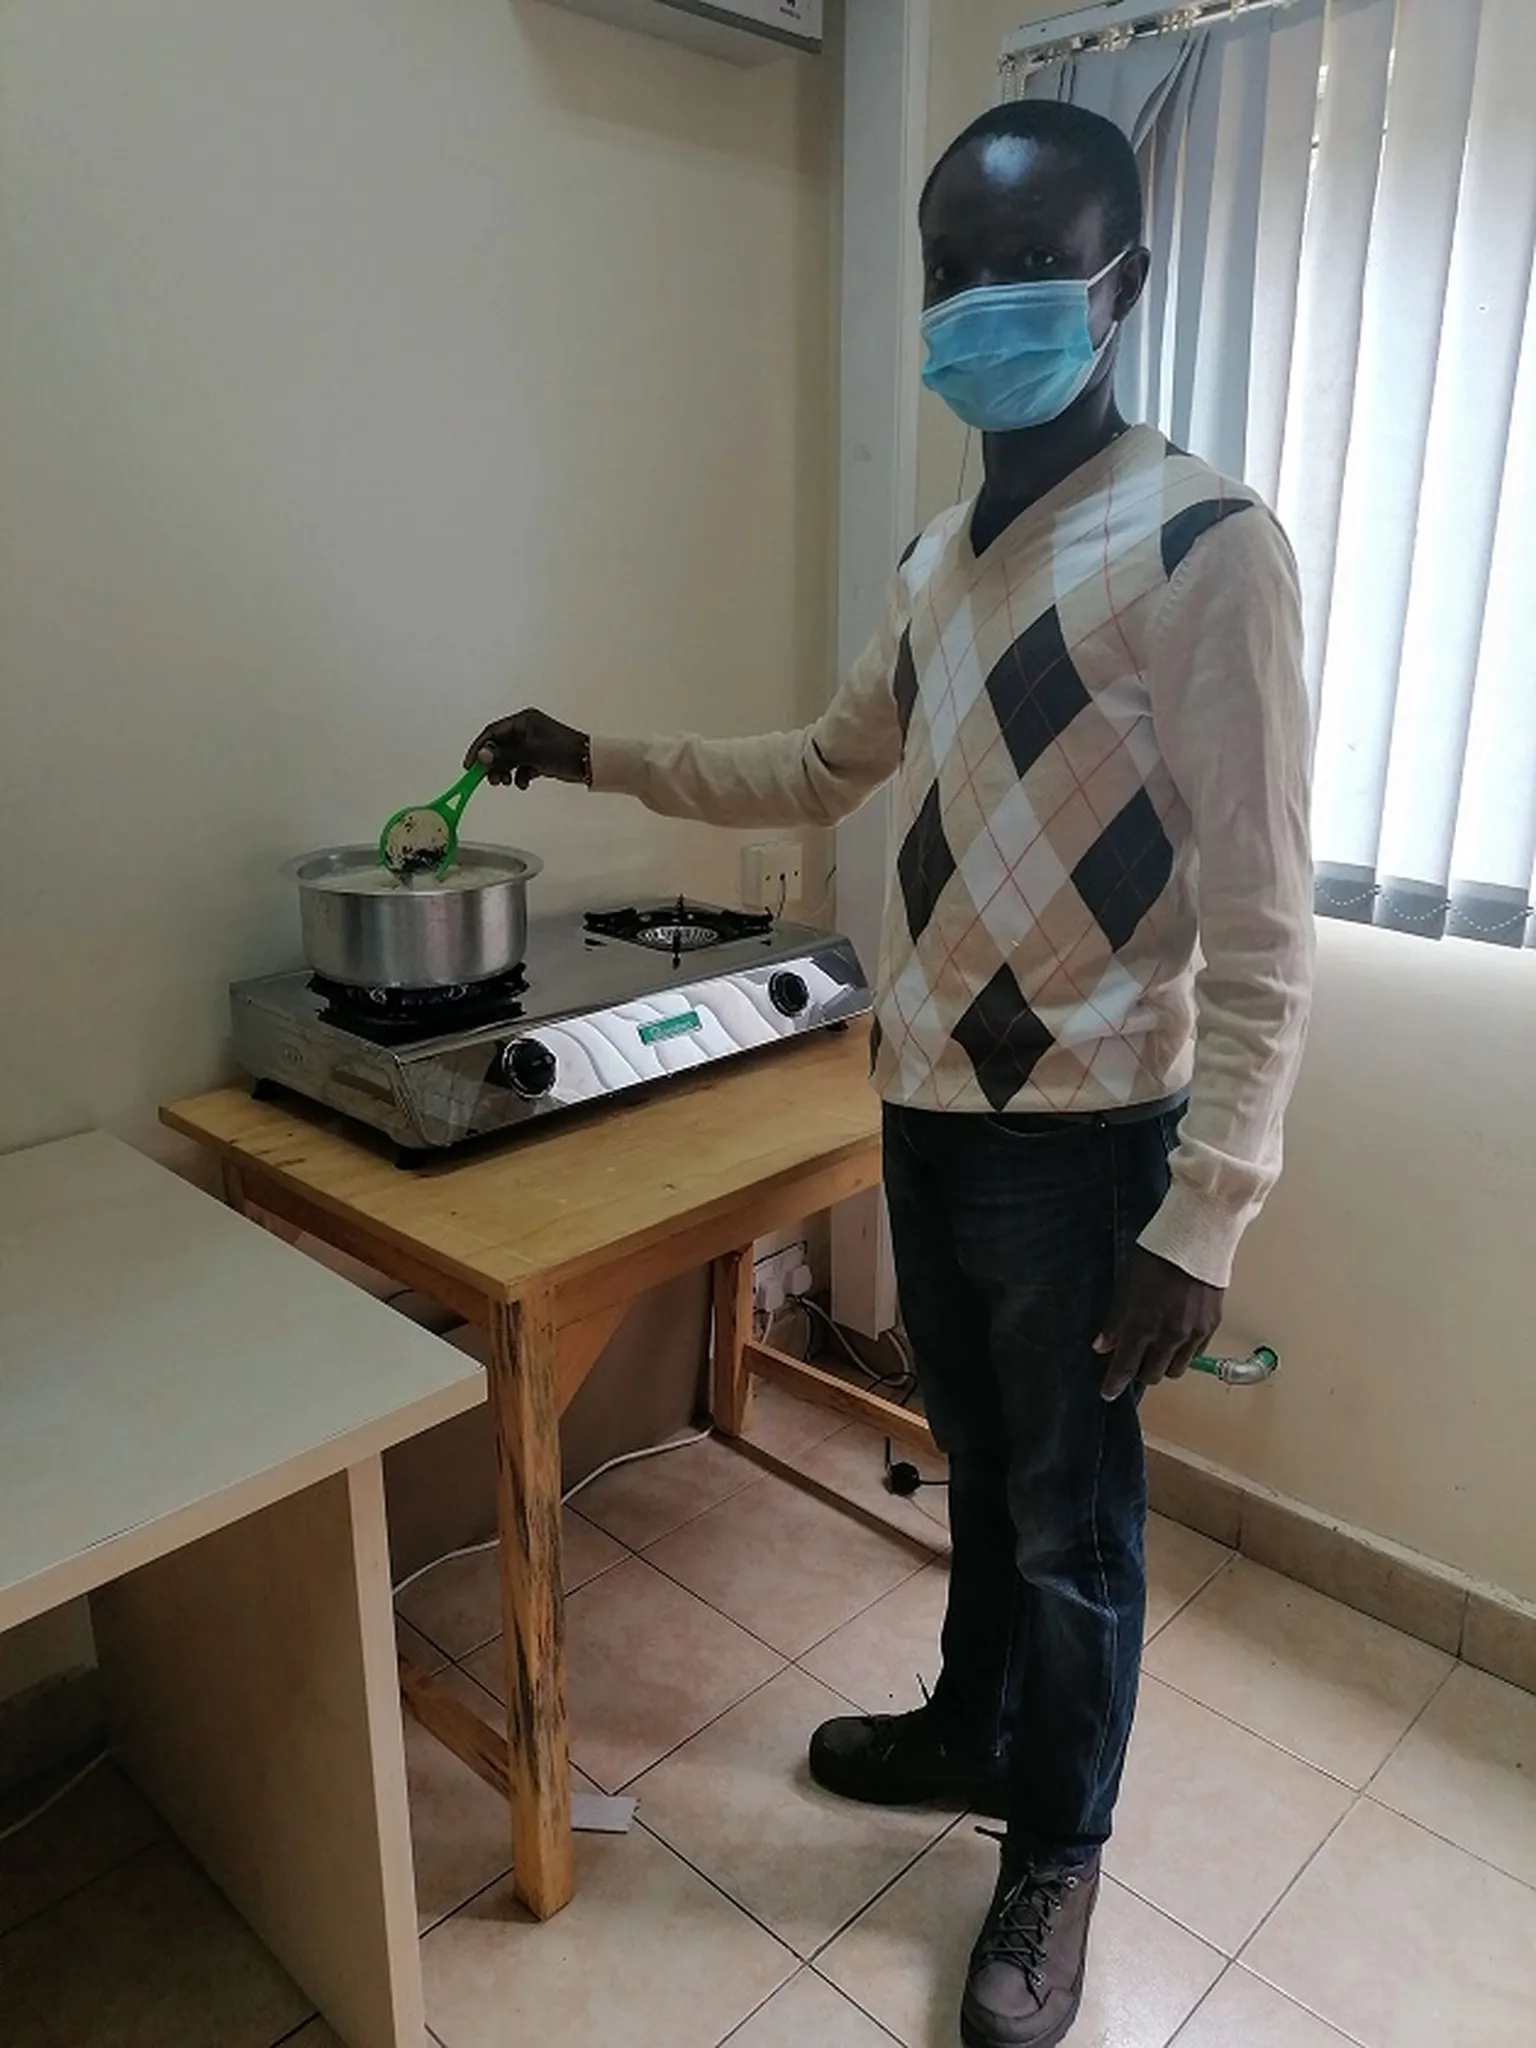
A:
{"points": [[604, 1003]]}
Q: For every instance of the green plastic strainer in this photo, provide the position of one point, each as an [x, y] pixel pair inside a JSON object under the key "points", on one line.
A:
{"points": [[425, 837]]}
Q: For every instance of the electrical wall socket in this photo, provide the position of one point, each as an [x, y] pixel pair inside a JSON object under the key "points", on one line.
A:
{"points": [[772, 1275], [772, 875]]}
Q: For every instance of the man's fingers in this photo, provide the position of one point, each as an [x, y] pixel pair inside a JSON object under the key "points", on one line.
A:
{"points": [[1158, 1363], [1184, 1357], [501, 737], [1125, 1363]]}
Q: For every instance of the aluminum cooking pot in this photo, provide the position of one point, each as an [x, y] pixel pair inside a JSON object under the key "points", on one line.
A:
{"points": [[366, 927]]}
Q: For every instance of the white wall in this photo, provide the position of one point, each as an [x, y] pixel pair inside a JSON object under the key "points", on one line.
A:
{"points": [[366, 369], [962, 82], [1393, 1268]]}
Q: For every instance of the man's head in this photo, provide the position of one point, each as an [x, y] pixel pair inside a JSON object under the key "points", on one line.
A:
{"points": [[1035, 189]]}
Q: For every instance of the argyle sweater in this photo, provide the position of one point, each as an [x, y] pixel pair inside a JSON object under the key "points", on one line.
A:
{"points": [[1099, 736]]}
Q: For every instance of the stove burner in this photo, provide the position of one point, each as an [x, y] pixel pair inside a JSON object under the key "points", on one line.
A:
{"points": [[676, 938], [681, 928], [389, 1014]]}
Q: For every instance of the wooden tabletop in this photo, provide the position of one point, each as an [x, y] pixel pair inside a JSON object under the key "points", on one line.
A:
{"points": [[575, 1193], [166, 1368]]}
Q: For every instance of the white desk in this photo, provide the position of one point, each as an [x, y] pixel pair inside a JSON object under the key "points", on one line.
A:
{"points": [[191, 1422]]}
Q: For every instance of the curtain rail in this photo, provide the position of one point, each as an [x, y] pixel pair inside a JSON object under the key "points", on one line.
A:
{"points": [[1114, 25]]}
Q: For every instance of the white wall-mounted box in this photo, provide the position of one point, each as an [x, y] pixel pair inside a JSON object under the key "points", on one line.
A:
{"points": [[741, 31]]}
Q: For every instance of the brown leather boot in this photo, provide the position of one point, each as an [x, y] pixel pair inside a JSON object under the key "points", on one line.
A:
{"points": [[1026, 1976], [906, 1760]]}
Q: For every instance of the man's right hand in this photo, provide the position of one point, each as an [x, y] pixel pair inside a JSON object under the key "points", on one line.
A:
{"points": [[530, 744]]}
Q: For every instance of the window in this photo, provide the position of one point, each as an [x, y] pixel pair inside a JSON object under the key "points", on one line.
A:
{"points": [[1343, 207]]}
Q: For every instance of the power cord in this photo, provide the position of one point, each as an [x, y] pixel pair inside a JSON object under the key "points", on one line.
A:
{"points": [[674, 1443], [61, 1792], [903, 1478], [903, 1384], [677, 1443]]}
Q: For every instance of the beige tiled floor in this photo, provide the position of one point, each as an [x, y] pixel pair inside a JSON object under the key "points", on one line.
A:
{"points": [[1327, 1837]]}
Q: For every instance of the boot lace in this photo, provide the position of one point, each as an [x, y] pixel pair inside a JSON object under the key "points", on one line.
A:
{"points": [[891, 1729], [1018, 1929]]}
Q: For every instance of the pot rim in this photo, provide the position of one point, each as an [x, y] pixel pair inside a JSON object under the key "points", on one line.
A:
{"points": [[521, 866]]}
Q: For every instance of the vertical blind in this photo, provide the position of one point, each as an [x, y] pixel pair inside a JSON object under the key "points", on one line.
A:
{"points": [[1342, 212]]}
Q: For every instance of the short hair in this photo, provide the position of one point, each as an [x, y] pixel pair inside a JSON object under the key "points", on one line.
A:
{"points": [[1098, 153]]}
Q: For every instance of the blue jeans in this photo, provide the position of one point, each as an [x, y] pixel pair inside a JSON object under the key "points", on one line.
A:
{"points": [[1007, 1242]]}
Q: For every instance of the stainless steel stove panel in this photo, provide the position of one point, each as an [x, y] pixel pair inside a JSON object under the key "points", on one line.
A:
{"points": [[599, 1016]]}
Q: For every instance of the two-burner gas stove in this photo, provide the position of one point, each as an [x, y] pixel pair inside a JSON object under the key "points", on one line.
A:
{"points": [[603, 1003]]}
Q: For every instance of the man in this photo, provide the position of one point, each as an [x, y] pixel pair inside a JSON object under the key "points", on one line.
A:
{"points": [[1088, 689]]}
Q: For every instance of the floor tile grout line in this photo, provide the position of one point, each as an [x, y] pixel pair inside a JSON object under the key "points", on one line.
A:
{"points": [[568, 1592], [762, 2003], [1189, 1600], [464, 1905], [958, 1821], [787, 1663], [1301, 2005], [778, 1648], [662, 1573], [1265, 1918], [809, 1485], [1231, 1966], [625, 1791], [1418, 1717], [802, 1962], [96, 1877], [866, 1712], [628, 1548], [933, 1536], [639, 1550], [731, 1900], [863, 2010], [715, 1885], [861, 1712], [1269, 1741], [1368, 1798], [900, 1587], [1164, 1911], [933, 1552], [1357, 1793], [1228, 1965], [901, 1536], [448, 1912], [294, 2032]]}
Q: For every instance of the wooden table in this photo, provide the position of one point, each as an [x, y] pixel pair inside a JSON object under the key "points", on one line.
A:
{"points": [[546, 1241], [191, 1422]]}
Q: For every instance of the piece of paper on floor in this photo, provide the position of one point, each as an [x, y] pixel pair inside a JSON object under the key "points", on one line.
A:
{"points": [[593, 1814]]}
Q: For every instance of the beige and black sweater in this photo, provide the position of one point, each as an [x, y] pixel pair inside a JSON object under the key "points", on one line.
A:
{"points": [[1099, 735]]}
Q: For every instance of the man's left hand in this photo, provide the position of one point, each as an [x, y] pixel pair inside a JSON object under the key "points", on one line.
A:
{"points": [[1161, 1319]]}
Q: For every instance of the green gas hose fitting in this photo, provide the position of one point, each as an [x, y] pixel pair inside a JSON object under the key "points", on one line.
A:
{"points": [[1261, 1364]]}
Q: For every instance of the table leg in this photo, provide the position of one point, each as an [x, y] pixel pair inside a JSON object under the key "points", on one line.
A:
{"points": [[251, 1690], [525, 1416], [731, 1382]]}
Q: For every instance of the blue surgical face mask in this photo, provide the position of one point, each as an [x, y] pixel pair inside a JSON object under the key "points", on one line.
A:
{"points": [[1007, 356]]}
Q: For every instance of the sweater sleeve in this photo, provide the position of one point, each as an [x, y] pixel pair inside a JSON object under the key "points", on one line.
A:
{"points": [[1230, 710], [816, 776]]}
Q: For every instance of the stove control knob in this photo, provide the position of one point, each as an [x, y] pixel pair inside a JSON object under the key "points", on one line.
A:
{"points": [[789, 995], [528, 1067]]}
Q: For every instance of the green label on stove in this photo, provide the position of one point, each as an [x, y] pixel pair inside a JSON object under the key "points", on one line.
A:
{"points": [[671, 1027]]}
